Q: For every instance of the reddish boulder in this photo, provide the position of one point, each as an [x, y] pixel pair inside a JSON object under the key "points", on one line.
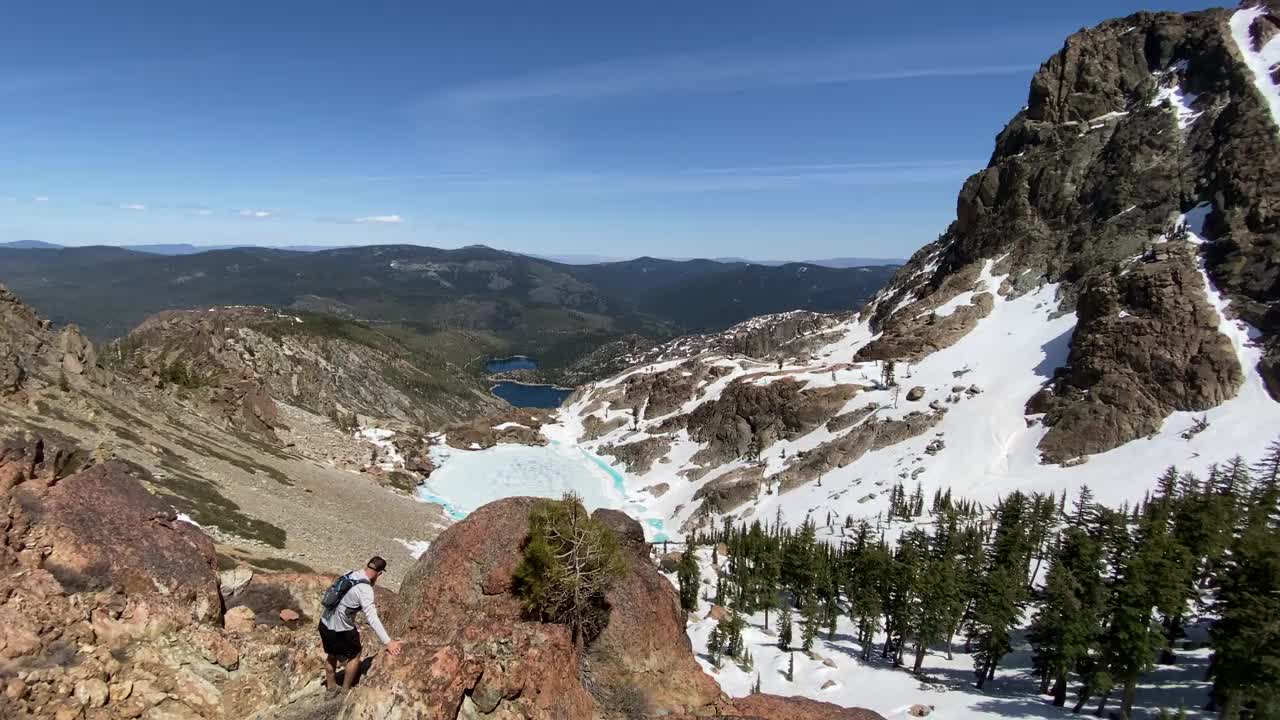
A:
{"points": [[104, 529], [467, 642], [471, 652]]}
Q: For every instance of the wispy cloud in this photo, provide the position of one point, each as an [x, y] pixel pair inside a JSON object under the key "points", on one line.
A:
{"points": [[258, 214], [688, 180], [133, 206], [702, 72], [379, 220], [40, 198]]}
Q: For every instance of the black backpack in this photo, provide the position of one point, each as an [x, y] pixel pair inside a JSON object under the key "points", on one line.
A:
{"points": [[337, 591]]}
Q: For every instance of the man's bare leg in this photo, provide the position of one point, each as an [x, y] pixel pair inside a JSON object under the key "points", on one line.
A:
{"points": [[330, 678], [349, 673]]}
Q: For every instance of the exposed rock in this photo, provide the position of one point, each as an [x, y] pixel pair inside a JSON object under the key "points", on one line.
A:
{"points": [[658, 490], [749, 417], [1126, 374], [470, 649], [670, 562], [233, 580], [240, 619], [519, 426], [915, 393], [240, 360], [104, 529], [593, 427], [731, 489], [640, 455], [717, 613], [849, 419]]}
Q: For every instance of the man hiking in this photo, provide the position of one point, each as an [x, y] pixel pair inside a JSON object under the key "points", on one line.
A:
{"points": [[348, 595]]}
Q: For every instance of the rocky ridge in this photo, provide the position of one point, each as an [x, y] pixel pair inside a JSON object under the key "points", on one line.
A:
{"points": [[142, 625], [240, 360], [277, 503], [1109, 273]]}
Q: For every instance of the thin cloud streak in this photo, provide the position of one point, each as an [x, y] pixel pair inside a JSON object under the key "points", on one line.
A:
{"points": [[379, 220], [704, 179], [703, 72], [256, 214], [133, 206]]}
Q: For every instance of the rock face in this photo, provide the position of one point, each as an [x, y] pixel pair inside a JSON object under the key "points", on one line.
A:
{"points": [[109, 608], [470, 652], [1096, 168], [749, 417], [30, 351], [103, 529], [1147, 344]]}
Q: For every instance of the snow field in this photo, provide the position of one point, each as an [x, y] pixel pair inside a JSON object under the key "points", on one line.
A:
{"points": [[947, 685]]}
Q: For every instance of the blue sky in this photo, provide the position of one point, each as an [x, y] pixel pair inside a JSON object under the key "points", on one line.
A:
{"points": [[763, 130]]}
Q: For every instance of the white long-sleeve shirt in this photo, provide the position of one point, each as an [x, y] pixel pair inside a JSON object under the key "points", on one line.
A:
{"points": [[358, 598]]}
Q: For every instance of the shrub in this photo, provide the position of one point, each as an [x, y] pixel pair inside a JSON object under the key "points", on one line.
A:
{"points": [[569, 562]]}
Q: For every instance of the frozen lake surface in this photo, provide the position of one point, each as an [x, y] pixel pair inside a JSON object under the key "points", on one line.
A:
{"points": [[467, 479]]}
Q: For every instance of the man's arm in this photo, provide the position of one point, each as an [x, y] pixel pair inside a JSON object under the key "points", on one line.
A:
{"points": [[371, 614]]}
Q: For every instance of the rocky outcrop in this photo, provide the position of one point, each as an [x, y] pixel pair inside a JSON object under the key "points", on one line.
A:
{"points": [[639, 456], [748, 417], [471, 652], [1147, 344], [242, 358], [1098, 166], [519, 426], [29, 349], [100, 528]]}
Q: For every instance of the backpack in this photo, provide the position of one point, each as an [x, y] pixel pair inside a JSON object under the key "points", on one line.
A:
{"points": [[337, 591]]}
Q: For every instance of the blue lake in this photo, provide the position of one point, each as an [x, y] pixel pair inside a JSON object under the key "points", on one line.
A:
{"points": [[515, 362], [531, 396]]}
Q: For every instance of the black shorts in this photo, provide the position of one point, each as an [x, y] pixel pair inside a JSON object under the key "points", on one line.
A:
{"points": [[343, 645]]}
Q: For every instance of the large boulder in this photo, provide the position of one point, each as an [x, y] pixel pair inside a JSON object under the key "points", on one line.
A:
{"points": [[101, 528], [471, 652]]}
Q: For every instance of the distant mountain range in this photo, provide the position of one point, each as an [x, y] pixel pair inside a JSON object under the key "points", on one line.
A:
{"points": [[571, 259], [472, 301]]}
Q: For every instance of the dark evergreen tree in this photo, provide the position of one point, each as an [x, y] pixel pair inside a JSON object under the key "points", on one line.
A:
{"points": [[784, 628], [690, 579]]}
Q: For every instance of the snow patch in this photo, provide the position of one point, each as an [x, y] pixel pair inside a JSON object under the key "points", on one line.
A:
{"points": [[1260, 61], [415, 547]]}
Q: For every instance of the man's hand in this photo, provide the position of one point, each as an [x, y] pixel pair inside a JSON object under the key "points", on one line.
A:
{"points": [[395, 648]]}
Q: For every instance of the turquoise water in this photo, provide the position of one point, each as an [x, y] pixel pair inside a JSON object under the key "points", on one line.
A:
{"points": [[468, 480]]}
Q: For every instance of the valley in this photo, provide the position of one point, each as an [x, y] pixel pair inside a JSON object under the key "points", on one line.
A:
{"points": [[1035, 466]]}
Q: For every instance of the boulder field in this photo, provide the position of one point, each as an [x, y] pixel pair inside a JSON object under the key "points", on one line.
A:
{"points": [[113, 607]]}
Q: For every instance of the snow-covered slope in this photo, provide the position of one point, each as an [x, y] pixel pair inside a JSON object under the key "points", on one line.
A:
{"points": [[979, 387]]}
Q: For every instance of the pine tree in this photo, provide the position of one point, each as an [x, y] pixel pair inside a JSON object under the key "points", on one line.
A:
{"points": [[1068, 623], [1246, 638], [791, 668], [810, 622], [1002, 591], [690, 579], [784, 628]]}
